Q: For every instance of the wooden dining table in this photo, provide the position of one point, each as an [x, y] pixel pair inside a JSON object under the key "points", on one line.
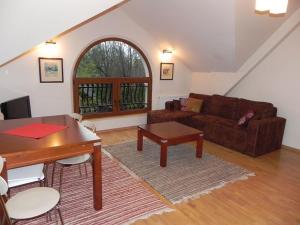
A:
{"points": [[73, 141]]}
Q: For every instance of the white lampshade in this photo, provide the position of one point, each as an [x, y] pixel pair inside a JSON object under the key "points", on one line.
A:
{"points": [[263, 5], [278, 6]]}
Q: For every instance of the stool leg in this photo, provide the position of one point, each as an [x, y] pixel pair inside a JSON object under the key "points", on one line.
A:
{"points": [[79, 167], [60, 179], [86, 173], [60, 215], [53, 172]]}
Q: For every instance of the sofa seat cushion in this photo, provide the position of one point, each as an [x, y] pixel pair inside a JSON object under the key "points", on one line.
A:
{"points": [[221, 131], [157, 116], [207, 118], [222, 106], [214, 119]]}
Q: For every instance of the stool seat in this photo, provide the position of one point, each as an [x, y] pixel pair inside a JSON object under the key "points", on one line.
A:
{"points": [[75, 160], [32, 203]]}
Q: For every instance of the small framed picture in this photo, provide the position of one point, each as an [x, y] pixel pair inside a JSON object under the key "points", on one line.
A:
{"points": [[51, 70], [166, 71]]}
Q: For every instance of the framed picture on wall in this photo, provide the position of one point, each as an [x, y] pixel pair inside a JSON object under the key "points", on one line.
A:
{"points": [[51, 70], [166, 71]]}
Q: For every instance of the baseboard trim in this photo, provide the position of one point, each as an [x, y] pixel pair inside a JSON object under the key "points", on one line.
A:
{"points": [[290, 148]]}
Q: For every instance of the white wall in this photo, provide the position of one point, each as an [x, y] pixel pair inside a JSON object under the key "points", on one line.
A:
{"points": [[212, 83], [24, 24], [21, 77], [277, 80]]}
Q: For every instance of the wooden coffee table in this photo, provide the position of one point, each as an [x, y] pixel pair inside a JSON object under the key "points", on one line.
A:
{"points": [[167, 134]]}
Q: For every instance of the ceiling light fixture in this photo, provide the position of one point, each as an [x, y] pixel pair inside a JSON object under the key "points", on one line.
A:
{"points": [[262, 5], [279, 6], [272, 6]]}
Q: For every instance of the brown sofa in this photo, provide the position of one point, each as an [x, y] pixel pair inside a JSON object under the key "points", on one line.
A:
{"points": [[218, 119]]}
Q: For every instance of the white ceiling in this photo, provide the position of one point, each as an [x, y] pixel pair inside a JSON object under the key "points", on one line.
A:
{"points": [[207, 35]]}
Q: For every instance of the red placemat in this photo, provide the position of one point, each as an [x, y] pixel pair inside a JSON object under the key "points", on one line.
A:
{"points": [[36, 130]]}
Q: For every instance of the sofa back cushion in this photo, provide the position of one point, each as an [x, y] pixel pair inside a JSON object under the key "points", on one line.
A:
{"points": [[222, 106], [206, 101], [261, 109]]}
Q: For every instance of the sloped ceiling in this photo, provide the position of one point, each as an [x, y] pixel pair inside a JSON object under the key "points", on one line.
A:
{"points": [[201, 32], [25, 24], [207, 35], [252, 30]]}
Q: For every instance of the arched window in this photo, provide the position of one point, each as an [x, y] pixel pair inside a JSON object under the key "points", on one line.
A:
{"points": [[112, 77]]}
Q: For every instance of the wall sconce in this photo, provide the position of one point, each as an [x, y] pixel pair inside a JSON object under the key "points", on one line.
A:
{"points": [[272, 6], [50, 42], [49, 49], [166, 55]]}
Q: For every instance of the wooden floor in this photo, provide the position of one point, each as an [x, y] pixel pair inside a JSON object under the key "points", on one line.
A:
{"points": [[271, 197]]}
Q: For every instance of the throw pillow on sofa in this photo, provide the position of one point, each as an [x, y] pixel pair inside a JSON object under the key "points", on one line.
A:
{"points": [[244, 120], [191, 104]]}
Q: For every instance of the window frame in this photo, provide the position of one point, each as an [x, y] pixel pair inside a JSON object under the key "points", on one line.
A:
{"points": [[115, 81]]}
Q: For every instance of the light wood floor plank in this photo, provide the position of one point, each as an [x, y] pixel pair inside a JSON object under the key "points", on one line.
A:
{"points": [[272, 197]]}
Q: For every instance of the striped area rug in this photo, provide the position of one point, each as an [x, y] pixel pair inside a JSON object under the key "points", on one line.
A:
{"points": [[125, 199], [185, 176]]}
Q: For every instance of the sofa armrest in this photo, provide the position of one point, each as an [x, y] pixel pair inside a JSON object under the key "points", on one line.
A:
{"points": [[265, 135], [173, 105]]}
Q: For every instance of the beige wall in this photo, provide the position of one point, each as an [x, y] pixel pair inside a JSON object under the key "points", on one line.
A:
{"points": [[21, 77]]}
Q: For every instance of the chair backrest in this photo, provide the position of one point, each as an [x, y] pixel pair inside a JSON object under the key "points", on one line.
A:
{"points": [[3, 186], [5, 220], [1, 164], [1, 116], [3, 212], [89, 125], [76, 116]]}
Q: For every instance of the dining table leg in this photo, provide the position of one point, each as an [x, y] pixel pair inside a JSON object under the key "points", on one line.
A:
{"points": [[97, 176]]}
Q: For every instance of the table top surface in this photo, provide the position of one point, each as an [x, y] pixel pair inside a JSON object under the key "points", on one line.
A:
{"points": [[170, 130], [73, 135]]}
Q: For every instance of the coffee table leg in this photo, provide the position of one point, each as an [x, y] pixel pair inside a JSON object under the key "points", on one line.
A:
{"points": [[163, 153], [199, 146], [140, 140], [97, 177]]}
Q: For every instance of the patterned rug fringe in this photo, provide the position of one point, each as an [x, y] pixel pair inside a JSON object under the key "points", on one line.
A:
{"points": [[208, 191], [158, 212]]}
